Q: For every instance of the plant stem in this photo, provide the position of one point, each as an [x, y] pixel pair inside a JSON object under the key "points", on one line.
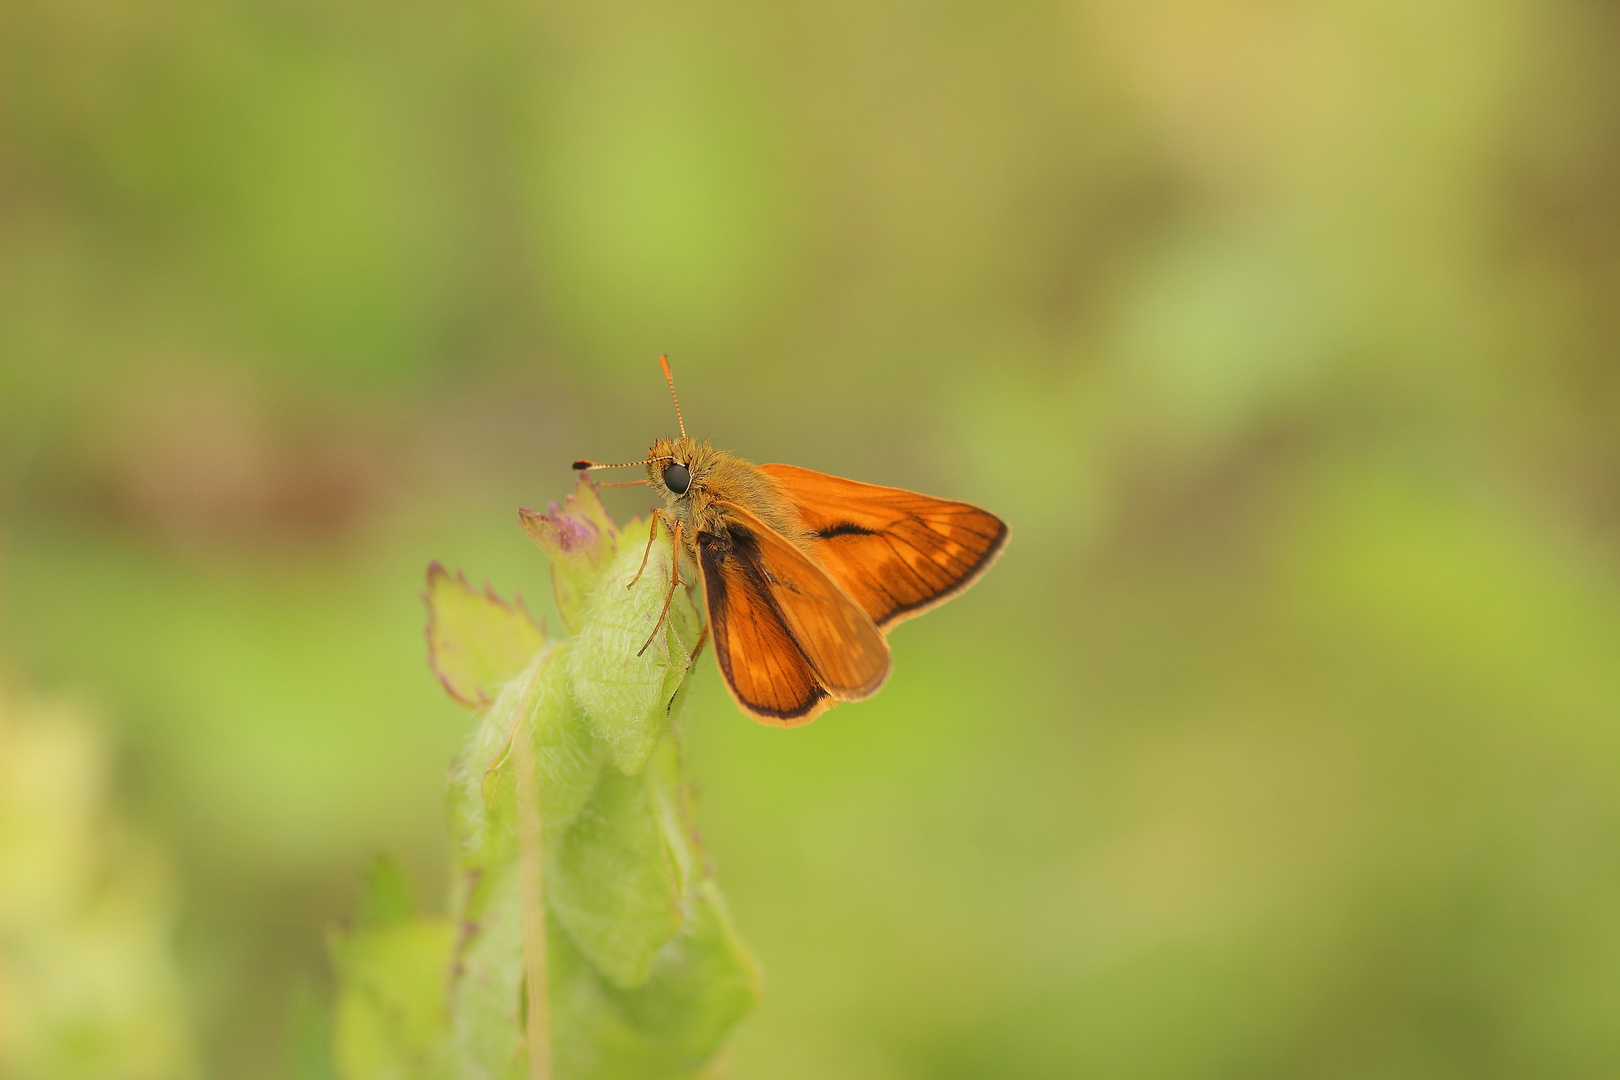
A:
{"points": [[531, 872]]}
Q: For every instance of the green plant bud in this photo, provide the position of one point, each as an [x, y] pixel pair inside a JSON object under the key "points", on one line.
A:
{"points": [[578, 538]]}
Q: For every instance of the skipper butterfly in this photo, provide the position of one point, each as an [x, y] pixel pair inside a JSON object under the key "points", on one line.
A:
{"points": [[804, 573]]}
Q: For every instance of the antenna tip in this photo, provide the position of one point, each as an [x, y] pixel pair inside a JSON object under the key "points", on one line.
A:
{"points": [[663, 362], [582, 464]]}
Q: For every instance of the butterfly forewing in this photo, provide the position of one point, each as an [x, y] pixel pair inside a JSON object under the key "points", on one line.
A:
{"points": [[894, 552]]}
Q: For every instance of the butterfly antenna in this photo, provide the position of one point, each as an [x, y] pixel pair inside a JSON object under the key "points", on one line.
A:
{"points": [[663, 359], [585, 464]]}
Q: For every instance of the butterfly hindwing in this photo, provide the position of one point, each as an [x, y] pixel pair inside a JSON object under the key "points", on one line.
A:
{"points": [[764, 668], [894, 552]]}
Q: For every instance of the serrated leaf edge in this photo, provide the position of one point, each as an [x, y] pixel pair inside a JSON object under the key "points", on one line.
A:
{"points": [[436, 572]]}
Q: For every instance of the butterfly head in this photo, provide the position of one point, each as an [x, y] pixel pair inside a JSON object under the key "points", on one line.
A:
{"points": [[676, 466]]}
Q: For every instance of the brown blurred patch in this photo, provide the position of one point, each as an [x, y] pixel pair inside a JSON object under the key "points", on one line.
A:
{"points": [[222, 462]]}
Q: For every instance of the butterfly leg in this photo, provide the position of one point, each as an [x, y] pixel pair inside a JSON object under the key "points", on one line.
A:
{"points": [[674, 583], [652, 534]]}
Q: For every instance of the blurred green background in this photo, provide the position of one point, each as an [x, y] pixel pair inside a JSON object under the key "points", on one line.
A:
{"points": [[1283, 742]]}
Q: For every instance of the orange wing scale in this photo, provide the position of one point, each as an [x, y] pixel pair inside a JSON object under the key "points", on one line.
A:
{"points": [[789, 642], [894, 552]]}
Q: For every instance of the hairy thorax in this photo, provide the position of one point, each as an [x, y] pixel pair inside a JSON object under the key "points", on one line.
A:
{"points": [[717, 479]]}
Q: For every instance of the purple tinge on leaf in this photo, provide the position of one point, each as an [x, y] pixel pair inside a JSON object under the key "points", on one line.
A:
{"points": [[579, 534], [556, 530], [573, 544], [580, 539]]}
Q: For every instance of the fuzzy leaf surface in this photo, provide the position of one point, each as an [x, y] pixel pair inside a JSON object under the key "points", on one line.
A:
{"points": [[612, 882], [476, 640], [628, 697], [701, 983]]}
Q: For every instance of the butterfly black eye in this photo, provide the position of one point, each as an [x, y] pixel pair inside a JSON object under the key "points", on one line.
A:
{"points": [[677, 478]]}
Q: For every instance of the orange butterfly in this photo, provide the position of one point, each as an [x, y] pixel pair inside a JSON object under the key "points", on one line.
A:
{"points": [[803, 572]]}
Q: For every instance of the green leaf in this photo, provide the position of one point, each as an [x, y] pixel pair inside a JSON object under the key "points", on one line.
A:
{"points": [[669, 792], [567, 755], [482, 808], [476, 640], [612, 882], [627, 697], [486, 976], [482, 798], [486, 971], [701, 983]]}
